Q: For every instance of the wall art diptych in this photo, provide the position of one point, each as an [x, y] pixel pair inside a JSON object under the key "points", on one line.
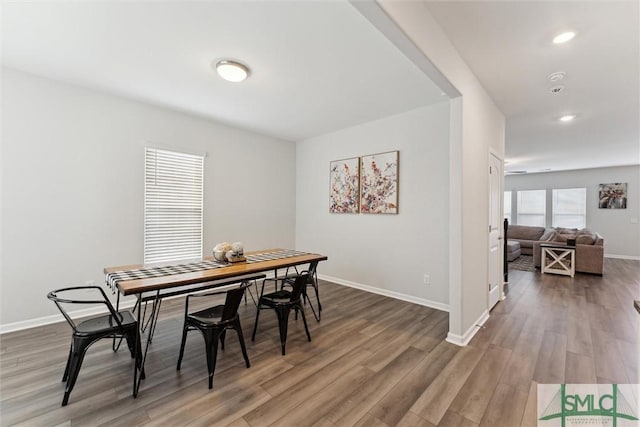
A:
{"points": [[379, 183], [612, 196], [344, 177]]}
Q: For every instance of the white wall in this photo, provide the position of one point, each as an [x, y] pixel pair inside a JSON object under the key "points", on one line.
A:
{"points": [[479, 128], [384, 253], [72, 186], [621, 234]]}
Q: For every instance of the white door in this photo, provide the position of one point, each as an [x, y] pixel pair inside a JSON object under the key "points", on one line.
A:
{"points": [[495, 225]]}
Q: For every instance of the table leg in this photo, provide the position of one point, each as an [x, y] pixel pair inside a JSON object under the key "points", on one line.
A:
{"points": [[247, 286], [138, 372]]}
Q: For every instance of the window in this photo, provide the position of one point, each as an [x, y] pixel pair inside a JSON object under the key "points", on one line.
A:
{"points": [[507, 205], [173, 200], [569, 208], [531, 207]]}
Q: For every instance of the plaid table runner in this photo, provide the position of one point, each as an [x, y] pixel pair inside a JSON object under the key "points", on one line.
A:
{"points": [[112, 279], [268, 256]]}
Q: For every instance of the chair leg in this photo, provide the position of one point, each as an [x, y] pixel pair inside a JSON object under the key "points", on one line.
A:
{"points": [[313, 310], [223, 334], [304, 320], [66, 369], [316, 288], [255, 326], [133, 339], [77, 356], [184, 340], [238, 328], [211, 337], [283, 323], [131, 342]]}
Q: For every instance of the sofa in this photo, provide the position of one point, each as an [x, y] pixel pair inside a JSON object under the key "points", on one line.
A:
{"points": [[526, 235], [589, 245]]}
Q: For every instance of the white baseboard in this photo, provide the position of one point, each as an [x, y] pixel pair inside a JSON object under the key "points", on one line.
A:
{"points": [[463, 340], [55, 318], [397, 295], [632, 257]]}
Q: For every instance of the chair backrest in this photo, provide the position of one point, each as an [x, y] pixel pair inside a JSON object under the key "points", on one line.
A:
{"points": [[298, 285], [59, 300], [312, 270], [232, 302]]}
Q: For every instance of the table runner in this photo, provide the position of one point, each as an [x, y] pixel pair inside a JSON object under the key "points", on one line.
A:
{"points": [[112, 279], [268, 256]]}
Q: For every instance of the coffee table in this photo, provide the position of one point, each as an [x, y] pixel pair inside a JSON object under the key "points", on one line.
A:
{"points": [[558, 259]]}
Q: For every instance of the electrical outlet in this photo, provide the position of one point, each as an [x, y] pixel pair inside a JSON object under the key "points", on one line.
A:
{"points": [[427, 279]]}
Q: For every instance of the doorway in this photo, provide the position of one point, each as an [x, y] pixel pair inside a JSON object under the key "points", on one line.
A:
{"points": [[495, 229]]}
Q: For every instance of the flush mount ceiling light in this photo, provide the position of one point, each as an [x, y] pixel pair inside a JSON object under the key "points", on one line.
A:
{"points": [[557, 76], [567, 118], [563, 37], [232, 71]]}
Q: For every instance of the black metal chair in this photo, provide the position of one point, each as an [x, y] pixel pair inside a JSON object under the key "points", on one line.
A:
{"points": [[213, 323], [282, 302], [115, 324], [289, 278]]}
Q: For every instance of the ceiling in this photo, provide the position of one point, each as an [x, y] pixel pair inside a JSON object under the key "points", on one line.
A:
{"points": [[316, 67], [507, 44]]}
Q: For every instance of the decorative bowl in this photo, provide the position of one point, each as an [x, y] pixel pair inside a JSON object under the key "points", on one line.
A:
{"points": [[219, 256]]}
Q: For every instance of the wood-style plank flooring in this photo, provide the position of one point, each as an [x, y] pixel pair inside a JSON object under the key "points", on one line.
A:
{"points": [[373, 361]]}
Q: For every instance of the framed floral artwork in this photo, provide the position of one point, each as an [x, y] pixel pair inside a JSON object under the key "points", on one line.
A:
{"points": [[344, 177], [379, 183]]}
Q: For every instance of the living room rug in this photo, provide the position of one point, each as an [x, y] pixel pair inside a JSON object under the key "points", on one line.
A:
{"points": [[523, 262]]}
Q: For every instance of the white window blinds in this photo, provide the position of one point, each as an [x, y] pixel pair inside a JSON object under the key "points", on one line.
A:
{"points": [[570, 208], [507, 205], [173, 200], [531, 207]]}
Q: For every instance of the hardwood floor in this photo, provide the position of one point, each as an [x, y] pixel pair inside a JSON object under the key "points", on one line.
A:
{"points": [[373, 361]]}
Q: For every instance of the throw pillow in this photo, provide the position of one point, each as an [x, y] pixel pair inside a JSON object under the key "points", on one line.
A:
{"points": [[562, 237], [567, 230], [586, 237], [548, 235]]}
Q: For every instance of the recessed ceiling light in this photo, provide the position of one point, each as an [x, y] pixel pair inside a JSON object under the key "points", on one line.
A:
{"points": [[567, 118], [232, 71], [564, 37]]}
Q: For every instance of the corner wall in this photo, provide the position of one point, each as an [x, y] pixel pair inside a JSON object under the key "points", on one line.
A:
{"points": [[72, 186], [621, 234], [481, 128], [388, 254]]}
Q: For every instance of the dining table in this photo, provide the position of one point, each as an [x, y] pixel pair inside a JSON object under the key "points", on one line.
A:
{"points": [[150, 284]]}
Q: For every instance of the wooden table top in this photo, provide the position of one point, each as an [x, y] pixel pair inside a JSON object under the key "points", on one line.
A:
{"points": [[128, 287]]}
